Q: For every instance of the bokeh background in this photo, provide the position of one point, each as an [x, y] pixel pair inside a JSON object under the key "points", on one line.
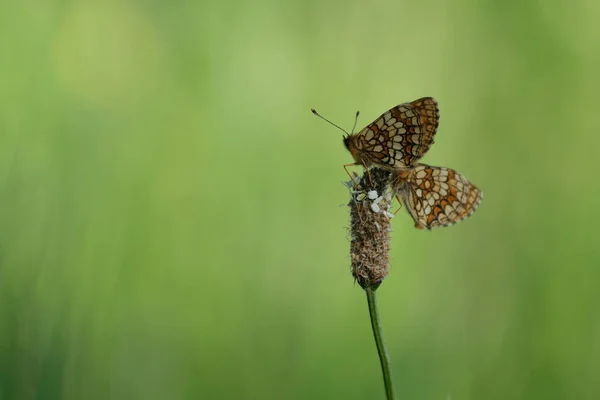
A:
{"points": [[172, 218]]}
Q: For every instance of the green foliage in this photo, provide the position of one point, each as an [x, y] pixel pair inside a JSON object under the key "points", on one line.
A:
{"points": [[170, 224]]}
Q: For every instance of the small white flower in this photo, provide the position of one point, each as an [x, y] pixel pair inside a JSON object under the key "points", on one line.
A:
{"points": [[372, 194], [378, 200], [375, 207]]}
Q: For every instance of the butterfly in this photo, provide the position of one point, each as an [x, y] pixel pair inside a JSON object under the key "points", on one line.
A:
{"points": [[396, 141], [398, 138], [435, 196]]}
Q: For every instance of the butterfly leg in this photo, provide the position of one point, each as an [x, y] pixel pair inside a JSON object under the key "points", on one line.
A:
{"points": [[399, 204], [348, 172], [354, 176], [369, 174]]}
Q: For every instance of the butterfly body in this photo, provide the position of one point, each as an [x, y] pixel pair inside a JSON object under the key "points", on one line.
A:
{"points": [[356, 145]]}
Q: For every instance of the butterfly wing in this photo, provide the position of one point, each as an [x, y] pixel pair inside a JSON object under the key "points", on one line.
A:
{"points": [[436, 196], [402, 135]]}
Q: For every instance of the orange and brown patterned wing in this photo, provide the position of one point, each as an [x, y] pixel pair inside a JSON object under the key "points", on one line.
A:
{"points": [[436, 196], [402, 135]]}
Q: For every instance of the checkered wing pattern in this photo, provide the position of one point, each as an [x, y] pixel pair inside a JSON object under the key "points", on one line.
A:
{"points": [[436, 196], [402, 135]]}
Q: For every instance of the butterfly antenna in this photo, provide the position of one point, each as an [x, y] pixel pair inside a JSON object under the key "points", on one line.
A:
{"points": [[322, 117], [355, 121]]}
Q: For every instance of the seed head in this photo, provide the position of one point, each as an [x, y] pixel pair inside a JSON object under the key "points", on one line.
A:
{"points": [[370, 201]]}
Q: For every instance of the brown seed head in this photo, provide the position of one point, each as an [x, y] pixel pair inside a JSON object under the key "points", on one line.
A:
{"points": [[370, 227]]}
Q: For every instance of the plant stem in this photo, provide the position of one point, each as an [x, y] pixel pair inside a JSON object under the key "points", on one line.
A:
{"points": [[378, 335]]}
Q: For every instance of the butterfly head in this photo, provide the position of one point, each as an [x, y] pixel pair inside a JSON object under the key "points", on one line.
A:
{"points": [[346, 139]]}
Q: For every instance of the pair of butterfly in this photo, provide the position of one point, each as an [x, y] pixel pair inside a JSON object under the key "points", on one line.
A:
{"points": [[433, 196]]}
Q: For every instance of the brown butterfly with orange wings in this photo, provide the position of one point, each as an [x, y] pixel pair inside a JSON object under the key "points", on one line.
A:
{"points": [[396, 141]]}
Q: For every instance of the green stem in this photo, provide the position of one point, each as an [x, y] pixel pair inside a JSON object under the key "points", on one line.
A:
{"points": [[384, 358]]}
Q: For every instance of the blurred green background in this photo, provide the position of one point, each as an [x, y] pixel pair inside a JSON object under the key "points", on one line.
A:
{"points": [[172, 222]]}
